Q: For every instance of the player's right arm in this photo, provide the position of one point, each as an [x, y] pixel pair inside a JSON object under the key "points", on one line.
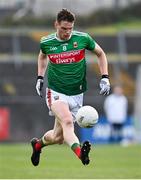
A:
{"points": [[42, 66], [42, 63]]}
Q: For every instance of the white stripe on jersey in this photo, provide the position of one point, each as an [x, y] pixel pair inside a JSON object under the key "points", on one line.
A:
{"points": [[79, 33], [48, 38]]}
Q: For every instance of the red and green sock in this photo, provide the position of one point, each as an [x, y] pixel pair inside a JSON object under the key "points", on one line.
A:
{"points": [[76, 149]]}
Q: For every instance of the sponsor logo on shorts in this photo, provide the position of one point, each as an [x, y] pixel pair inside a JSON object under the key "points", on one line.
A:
{"points": [[56, 97]]}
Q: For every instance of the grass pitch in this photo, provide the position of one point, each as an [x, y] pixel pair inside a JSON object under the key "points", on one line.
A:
{"points": [[59, 162]]}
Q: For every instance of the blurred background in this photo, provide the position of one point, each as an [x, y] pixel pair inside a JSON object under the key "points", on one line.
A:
{"points": [[114, 24]]}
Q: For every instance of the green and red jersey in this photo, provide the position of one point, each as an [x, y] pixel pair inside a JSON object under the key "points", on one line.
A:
{"points": [[66, 71]]}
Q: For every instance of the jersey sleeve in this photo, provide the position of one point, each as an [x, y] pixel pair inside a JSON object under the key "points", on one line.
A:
{"points": [[90, 43]]}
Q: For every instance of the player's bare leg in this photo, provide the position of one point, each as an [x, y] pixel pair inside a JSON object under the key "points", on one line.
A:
{"points": [[54, 136], [62, 112]]}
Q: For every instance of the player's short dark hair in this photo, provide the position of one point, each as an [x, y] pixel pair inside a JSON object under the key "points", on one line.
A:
{"points": [[65, 15]]}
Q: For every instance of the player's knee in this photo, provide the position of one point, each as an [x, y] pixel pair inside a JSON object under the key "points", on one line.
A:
{"points": [[67, 122]]}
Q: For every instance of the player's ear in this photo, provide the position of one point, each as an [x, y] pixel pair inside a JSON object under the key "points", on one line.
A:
{"points": [[55, 24]]}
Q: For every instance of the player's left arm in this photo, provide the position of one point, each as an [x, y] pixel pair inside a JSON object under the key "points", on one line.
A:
{"points": [[103, 66], [102, 59]]}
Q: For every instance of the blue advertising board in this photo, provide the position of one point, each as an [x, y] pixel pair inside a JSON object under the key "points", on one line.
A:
{"points": [[100, 133]]}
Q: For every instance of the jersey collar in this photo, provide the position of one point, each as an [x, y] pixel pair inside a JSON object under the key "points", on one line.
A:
{"points": [[61, 39]]}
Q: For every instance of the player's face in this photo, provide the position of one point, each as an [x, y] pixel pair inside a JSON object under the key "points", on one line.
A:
{"points": [[64, 29]]}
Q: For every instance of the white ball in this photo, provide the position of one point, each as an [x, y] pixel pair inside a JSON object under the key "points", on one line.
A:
{"points": [[87, 116]]}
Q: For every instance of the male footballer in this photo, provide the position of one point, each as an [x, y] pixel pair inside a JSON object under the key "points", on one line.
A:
{"points": [[62, 55]]}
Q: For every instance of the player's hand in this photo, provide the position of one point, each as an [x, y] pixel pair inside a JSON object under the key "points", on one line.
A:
{"points": [[39, 86], [104, 85]]}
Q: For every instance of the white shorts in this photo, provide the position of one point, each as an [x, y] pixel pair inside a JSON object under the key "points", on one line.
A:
{"points": [[74, 102]]}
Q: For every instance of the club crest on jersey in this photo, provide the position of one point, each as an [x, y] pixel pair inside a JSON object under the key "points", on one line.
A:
{"points": [[75, 45]]}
